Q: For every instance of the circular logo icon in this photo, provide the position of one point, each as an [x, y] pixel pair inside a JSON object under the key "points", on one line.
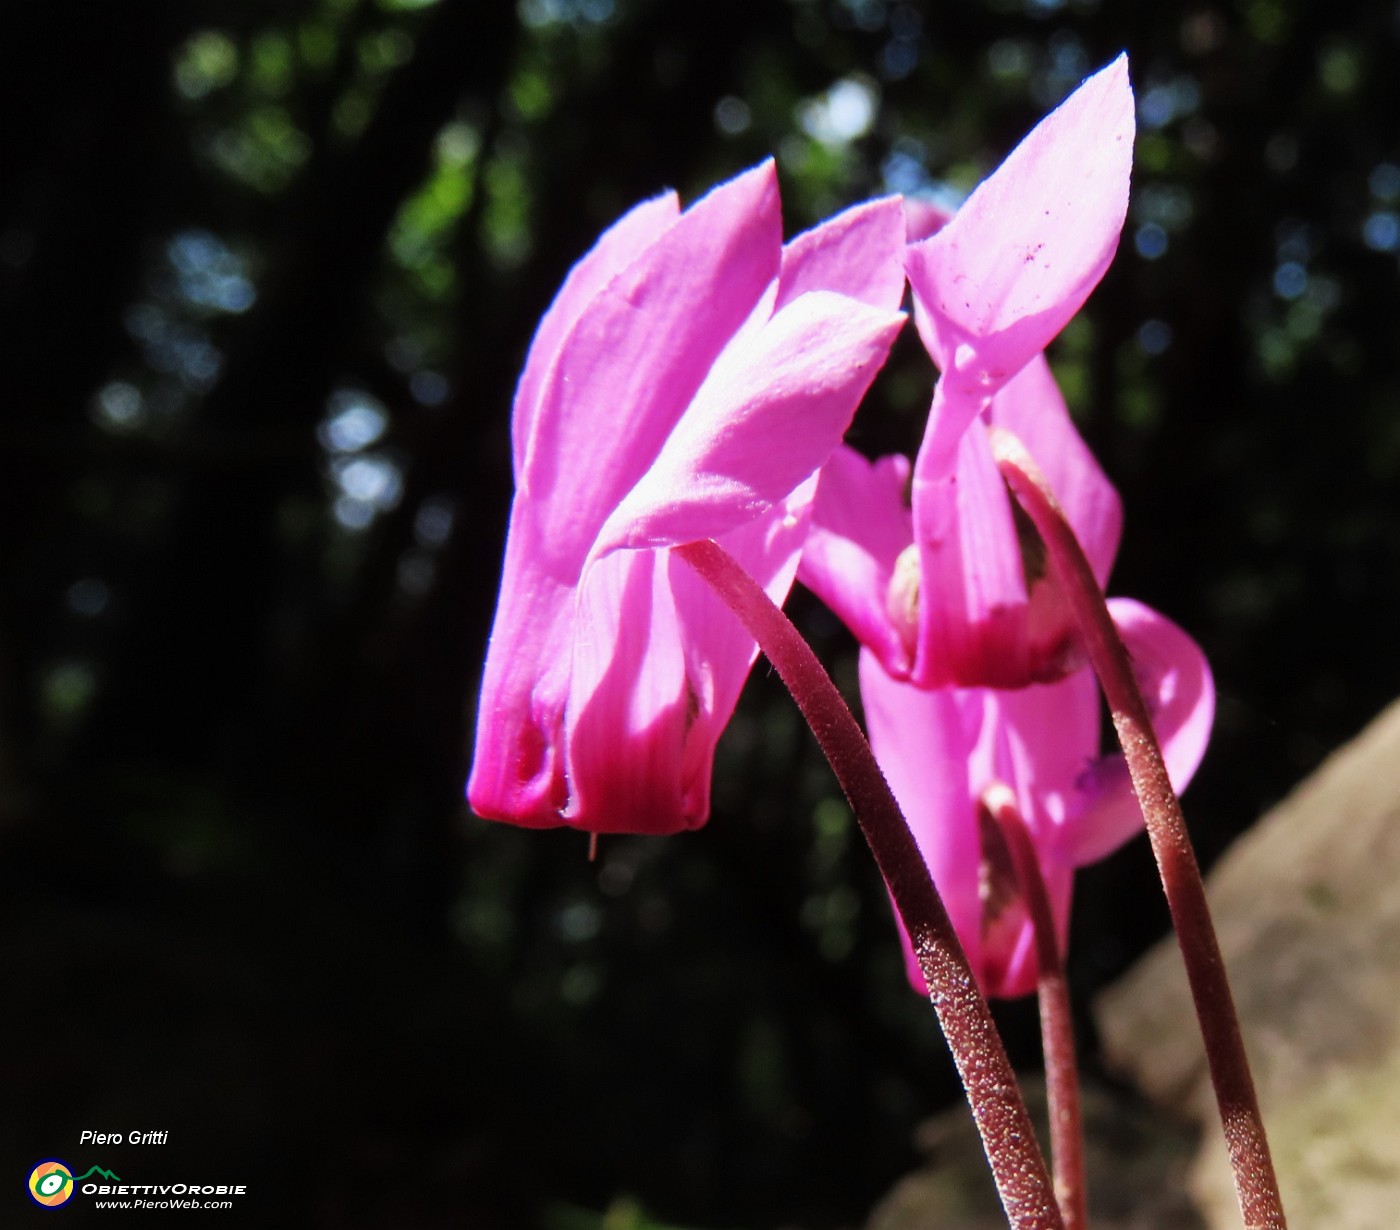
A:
{"points": [[50, 1183]]}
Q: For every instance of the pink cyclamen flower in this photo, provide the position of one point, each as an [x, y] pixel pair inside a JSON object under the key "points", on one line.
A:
{"points": [[945, 751], [970, 670], [688, 381], [958, 594]]}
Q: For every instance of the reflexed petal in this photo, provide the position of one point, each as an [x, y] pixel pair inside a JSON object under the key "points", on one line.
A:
{"points": [[1021, 256], [517, 774], [941, 750], [922, 741], [1052, 737], [979, 623], [678, 388], [972, 589], [772, 411], [923, 218], [1050, 740], [632, 363], [1175, 679], [718, 649], [1032, 408], [1037, 741], [1014, 970], [1009, 969], [859, 253], [953, 412], [624, 242], [1176, 683], [860, 524], [630, 705]]}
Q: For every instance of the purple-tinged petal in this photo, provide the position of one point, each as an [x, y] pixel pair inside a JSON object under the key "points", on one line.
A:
{"points": [[772, 411], [860, 525], [620, 245], [1023, 253], [859, 253], [990, 611], [689, 381], [633, 361], [1176, 683]]}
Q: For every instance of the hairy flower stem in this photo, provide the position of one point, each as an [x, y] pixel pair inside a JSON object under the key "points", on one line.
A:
{"points": [[1056, 1022], [1018, 1166], [1255, 1182]]}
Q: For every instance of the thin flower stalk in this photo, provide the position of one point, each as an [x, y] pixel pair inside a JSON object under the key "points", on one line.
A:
{"points": [[1056, 1021], [1255, 1182], [1008, 1137]]}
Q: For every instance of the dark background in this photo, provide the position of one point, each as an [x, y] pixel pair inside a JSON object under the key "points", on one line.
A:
{"points": [[267, 274]]}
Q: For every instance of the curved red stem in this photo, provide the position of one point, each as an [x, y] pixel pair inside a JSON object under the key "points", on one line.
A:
{"points": [[1018, 1166], [1255, 1182], [1056, 1020]]}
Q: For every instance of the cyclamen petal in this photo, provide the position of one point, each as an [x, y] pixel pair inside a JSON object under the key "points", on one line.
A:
{"points": [[991, 289], [687, 388], [518, 766], [971, 668], [969, 625], [626, 717], [626, 372], [1175, 678], [990, 613], [618, 246], [1032, 407], [923, 740], [860, 527], [718, 650], [942, 749], [763, 421], [1176, 683], [1023, 253], [848, 254]]}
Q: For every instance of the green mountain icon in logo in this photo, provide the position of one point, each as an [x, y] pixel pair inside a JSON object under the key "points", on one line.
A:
{"points": [[106, 1174]]}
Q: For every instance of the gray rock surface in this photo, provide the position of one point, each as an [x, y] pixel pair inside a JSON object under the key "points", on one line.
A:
{"points": [[1136, 1162], [1307, 906]]}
